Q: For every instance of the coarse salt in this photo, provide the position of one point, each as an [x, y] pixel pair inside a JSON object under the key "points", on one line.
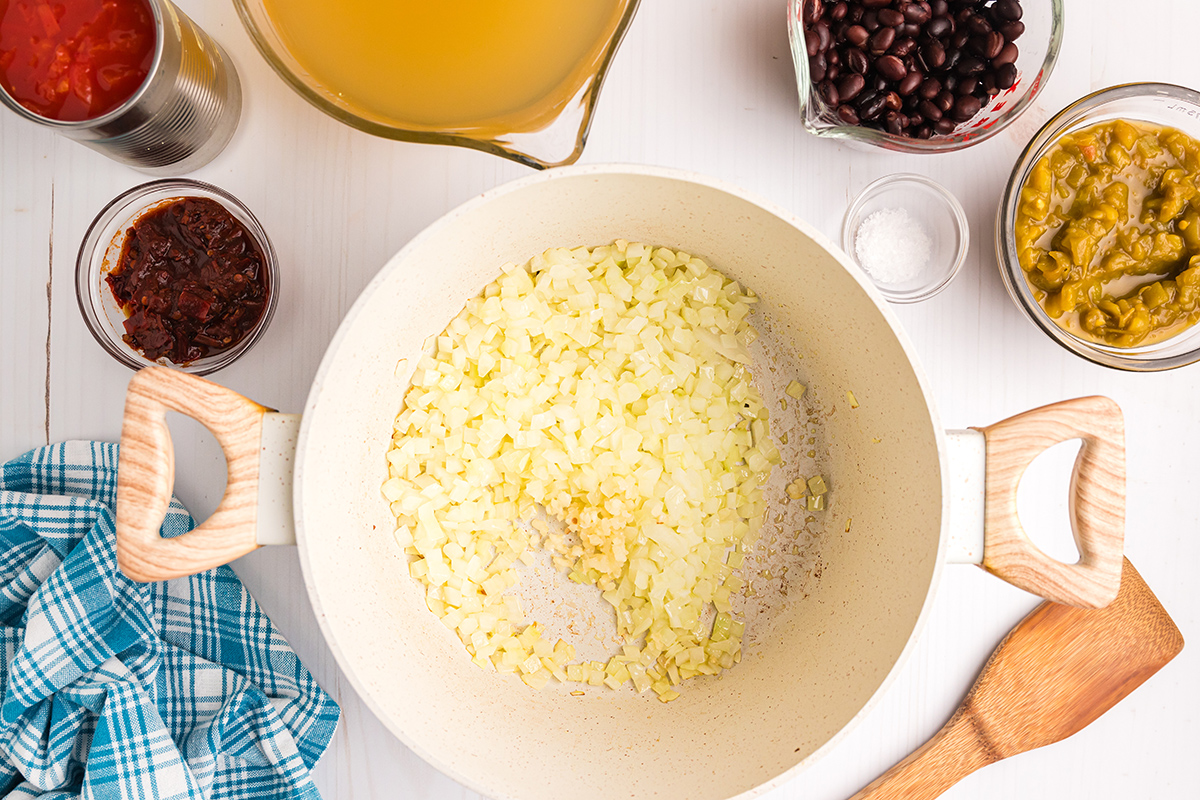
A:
{"points": [[892, 246]]}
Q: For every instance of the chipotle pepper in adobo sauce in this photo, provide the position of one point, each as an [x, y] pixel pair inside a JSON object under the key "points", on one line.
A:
{"points": [[192, 280]]}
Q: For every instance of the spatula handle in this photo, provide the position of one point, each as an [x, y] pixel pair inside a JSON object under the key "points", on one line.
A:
{"points": [[951, 755]]}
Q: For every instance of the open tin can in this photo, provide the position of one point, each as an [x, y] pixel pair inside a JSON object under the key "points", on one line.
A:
{"points": [[182, 115]]}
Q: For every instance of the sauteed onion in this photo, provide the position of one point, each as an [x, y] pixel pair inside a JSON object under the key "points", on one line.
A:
{"points": [[607, 389]]}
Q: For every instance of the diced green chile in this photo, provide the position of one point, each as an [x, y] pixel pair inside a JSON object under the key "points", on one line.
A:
{"points": [[1108, 232]]}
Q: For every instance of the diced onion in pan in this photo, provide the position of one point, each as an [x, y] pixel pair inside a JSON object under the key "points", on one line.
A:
{"points": [[607, 388]]}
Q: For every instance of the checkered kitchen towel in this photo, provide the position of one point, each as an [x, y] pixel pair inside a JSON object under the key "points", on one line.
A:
{"points": [[115, 689]]}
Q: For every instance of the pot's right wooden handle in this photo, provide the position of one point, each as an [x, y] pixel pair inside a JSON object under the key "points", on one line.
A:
{"points": [[1097, 502], [146, 475]]}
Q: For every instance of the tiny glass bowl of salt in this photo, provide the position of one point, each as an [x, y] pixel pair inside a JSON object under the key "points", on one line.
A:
{"points": [[908, 234]]}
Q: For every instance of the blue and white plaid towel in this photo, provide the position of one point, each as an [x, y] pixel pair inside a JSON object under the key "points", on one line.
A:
{"points": [[114, 689]]}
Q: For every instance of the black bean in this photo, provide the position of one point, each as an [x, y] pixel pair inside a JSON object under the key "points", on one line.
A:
{"points": [[891, 68], [966, 86], [977, 25], [870, 106], [1008, 9], [856, 13], [950, 82], [952, 57], [939, 27], [988, 46], [823, 37], [893, 101], [995, 43], [847, 115], [857, 61], [917, 12], [1006, 76], [850, 86], [857, 35], [969, 65], [813, 10], [1012, 30], [910, 83], [894, 121], [930, 110], [965, 107], [838, 12], [939, 8], [930, 88], [944, 100], [870, 21], [960, 39], [1007, 55], [944, 126], [933, 56], [882, 40], [890, 17], [924, 132], [818, 68], [903, 47], [829, 93], [812, 43], [832, 72], [876, 3]]}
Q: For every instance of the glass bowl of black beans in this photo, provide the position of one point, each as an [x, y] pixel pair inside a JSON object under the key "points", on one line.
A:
{"points": [[920, 76]]}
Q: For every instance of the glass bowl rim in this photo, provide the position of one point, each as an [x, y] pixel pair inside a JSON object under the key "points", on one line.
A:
{"points": [[1072, 117], [961, 225], [887, 141], [91, 247]]}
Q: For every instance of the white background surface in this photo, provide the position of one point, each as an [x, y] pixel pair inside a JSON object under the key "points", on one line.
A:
{"points": [[705, 85]]}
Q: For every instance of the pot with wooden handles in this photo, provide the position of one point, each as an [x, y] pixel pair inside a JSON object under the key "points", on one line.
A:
{"points": [[917, 497]]}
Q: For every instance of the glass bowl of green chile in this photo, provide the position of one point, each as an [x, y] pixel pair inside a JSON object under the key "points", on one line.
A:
{"points": [[1098, 230]]}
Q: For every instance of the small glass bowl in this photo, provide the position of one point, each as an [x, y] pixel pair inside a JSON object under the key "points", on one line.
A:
{"points": [[101, 251], [1038, 47], [938, 211], [1156, 103]]}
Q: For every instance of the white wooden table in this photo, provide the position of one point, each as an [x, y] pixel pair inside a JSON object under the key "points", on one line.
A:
{"points": [[705, 85]]}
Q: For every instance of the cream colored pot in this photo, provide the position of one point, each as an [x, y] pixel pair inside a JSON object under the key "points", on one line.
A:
{"points": [[916, 497]]}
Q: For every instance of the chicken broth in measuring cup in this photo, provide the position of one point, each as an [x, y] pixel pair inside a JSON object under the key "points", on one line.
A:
{"points": [[463, 65]]}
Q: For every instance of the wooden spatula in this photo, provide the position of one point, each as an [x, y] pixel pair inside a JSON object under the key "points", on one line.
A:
{"points": [[1056, 672]]}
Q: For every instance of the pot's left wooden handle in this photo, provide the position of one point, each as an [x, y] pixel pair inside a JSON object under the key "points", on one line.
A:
{"points": [[1097, 501], [146, 475]]}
